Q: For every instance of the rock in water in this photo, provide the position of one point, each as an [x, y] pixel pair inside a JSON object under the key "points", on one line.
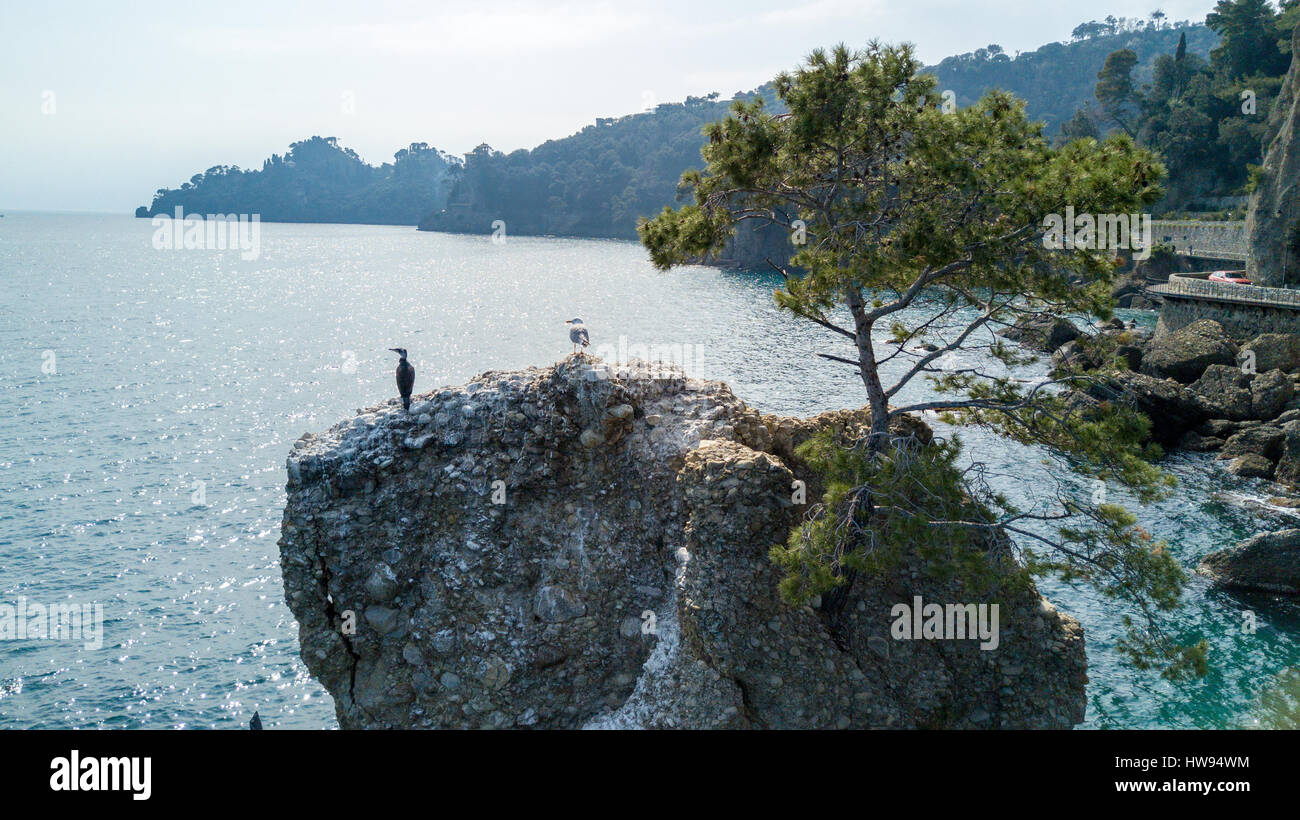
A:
{"points": [[1273, 211], [1042, 333], [1268, 562], [1184, 354], [515, 572]]}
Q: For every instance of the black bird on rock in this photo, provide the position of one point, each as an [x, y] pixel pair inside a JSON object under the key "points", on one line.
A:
{"points": [[405, 377]]}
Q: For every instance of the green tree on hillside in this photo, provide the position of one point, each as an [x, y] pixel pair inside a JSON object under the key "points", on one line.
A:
{"points": [[927, 227], [1206, 120], [1115, 89], [1249, 46]]}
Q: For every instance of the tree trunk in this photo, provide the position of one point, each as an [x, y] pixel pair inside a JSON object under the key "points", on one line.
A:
{"points": [[867, 367], [833, 602]]}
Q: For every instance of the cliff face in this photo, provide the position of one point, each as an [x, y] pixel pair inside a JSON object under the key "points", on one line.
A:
{"points": [[618, 576], [1274, 212]]}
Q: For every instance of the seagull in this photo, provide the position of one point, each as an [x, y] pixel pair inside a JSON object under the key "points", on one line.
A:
{"points": [[578, 334], [405, 377]]}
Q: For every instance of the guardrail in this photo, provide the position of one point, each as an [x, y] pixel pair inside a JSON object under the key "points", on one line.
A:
{"points": [[1190, 285]]}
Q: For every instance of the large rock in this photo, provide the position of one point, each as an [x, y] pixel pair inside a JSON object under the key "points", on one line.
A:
{"points": [[1260, 440], [1271, 214], [1224, 392], [1268, 562], [1184, 354], [1288, 465], [1172, 408], [1251, 466], [1273, 351], [1270, 393], [625, 583], [1042, 333]]}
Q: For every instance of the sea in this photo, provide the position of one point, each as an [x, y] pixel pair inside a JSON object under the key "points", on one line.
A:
{"points": [[150, 392]]}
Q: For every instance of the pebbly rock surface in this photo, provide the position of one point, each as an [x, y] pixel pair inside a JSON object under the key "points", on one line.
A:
{"points": [[573, 547]]}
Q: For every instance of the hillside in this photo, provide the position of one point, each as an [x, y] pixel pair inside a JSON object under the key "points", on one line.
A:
{"points": [[317, 181], [1058, 79], [595, 183], [599, 181]]}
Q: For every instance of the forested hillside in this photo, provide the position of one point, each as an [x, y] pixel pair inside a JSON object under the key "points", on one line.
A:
{"points": [[593, 183], [1207, 118], [317, 181], [1058, 78], [599, 181]]}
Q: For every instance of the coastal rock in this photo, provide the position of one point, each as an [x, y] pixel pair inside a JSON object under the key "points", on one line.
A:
{"points": [[1261, 440], [1270, 394], [1042, 333], [1184, 354], [1219, 428], [1072, 355], [1172, 408], [1268, 562], [1288, 465], [1251, 466], [1198, 443], [1274, 351], [626, 584], [1224, 392]]}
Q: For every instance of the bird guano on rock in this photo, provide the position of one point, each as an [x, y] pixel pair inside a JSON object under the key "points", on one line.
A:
{"points": [[405, 378], [578, 334]]}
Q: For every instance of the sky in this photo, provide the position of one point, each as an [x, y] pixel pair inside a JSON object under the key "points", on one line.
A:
{"points": [[102, 103]]}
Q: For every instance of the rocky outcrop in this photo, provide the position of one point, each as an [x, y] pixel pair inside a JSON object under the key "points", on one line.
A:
{"points": [[1270, 394], [1184, 354], [1288, 465], [569, 547], [1042, 333], [1268, 562], [1273, 351], [1272, 214], [1171, 407], [1224, 392], [1260, 440]]}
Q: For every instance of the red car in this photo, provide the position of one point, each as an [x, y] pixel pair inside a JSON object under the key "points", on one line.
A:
{"points": [[1236, 277]]}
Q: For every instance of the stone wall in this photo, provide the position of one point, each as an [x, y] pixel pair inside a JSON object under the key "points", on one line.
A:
{"points": [[1204, 240]]}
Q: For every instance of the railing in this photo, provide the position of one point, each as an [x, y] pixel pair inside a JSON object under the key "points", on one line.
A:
{"points": [[1189, 285]]}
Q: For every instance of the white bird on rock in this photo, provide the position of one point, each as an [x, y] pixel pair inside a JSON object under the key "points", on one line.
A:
{"points": [[578, 334]]}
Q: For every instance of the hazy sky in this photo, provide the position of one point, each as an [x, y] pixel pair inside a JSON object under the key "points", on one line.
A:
{"points": [[102, 103]]}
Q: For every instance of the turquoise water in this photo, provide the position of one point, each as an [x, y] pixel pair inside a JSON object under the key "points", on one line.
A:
{"points": [[145, 473]]}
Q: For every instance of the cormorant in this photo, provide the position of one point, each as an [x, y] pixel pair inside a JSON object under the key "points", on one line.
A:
{"points": [[405, 377], [578, 334]]}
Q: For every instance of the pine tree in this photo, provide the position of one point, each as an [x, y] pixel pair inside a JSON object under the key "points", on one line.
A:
{"points": [[927, 224]]}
